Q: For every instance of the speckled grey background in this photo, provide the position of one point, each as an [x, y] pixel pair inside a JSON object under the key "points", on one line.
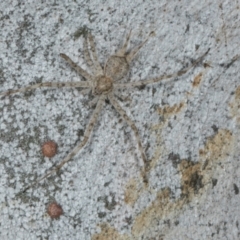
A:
{"points": [[91, 188]]}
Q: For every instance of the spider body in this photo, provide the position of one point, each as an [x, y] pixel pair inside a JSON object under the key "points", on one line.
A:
{"points": [[116, 67], [102, 85], [102, 82]]}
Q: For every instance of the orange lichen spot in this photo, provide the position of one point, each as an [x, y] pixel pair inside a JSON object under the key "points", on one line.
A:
{"points": [[49, 149], [54, 210]]}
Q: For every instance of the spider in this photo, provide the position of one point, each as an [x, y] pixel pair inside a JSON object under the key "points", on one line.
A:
{"points": [[103, 83]]}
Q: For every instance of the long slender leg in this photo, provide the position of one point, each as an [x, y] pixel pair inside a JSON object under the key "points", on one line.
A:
{"points": [[133, 53], [49, 85], [94, 54], [122, 112], [158, 79], [77, 68], [86, 136], [121, 52], [87, 55]]}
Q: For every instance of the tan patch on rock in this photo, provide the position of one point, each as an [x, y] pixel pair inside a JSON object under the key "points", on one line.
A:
{"points": [[235, 106], [194, 182], [217, 147], [131, 192], [170, 110], [196, 177], [197, 80], [167, 112], [149, 217], [191, 179], [157, 129], [237, 93], [109, 233]]}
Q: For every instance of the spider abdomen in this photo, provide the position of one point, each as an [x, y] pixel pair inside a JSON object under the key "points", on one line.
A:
{"points": [[116, 67]]}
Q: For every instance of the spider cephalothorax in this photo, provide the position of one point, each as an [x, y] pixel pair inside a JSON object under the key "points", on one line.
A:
{"points": [[102, 85]]}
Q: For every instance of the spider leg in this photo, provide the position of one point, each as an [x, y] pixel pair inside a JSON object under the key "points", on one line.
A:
{"points": [[47, 84], [87, 55], [122, 112], [122, 52], [93, 102], [86, 136], [77, 68], [94, 54], [158, 79], [133, 53]]}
